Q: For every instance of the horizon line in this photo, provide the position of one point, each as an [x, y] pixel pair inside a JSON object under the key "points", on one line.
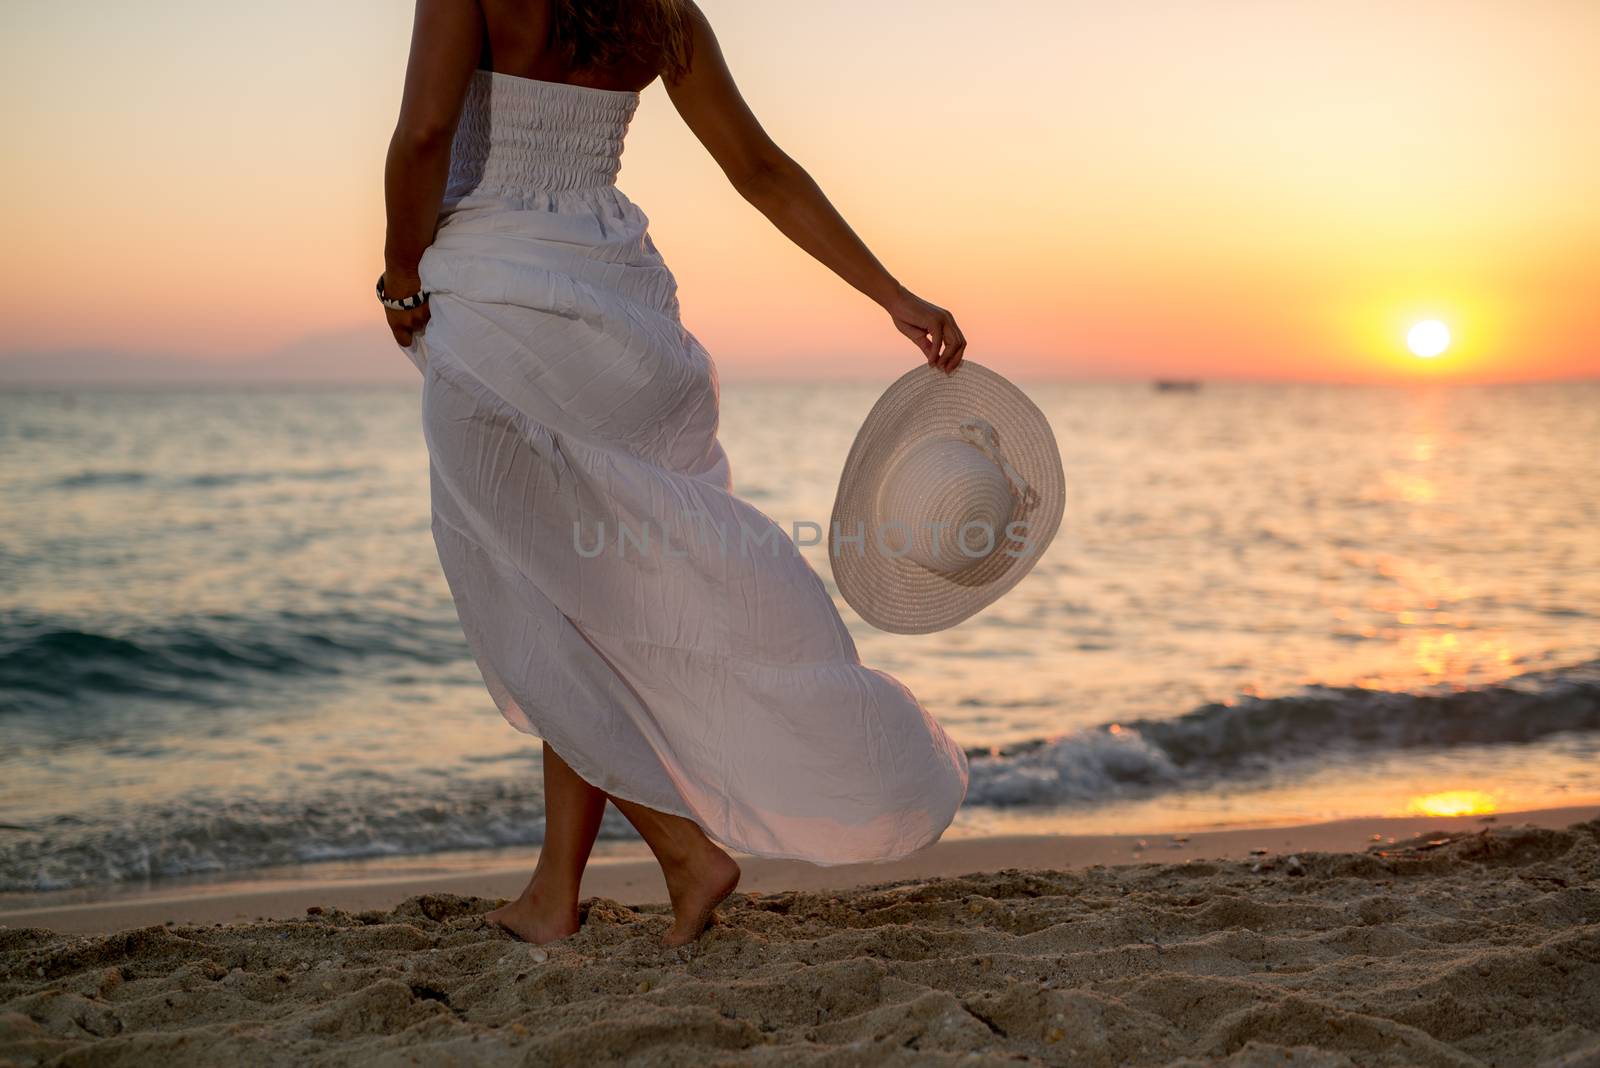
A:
{"points": [[301, 384]]}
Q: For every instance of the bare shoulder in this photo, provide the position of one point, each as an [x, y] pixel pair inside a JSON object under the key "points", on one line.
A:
{"points": [[706, 62]]}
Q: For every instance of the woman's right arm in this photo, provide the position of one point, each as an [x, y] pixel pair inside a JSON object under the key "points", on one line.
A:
{"points": [[780, 189]]}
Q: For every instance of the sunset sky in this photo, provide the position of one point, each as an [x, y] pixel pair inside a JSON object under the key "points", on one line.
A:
{"points": [[1230, 189]]}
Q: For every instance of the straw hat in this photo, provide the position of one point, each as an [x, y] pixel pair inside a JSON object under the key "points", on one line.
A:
{"points": [[949, 496]]}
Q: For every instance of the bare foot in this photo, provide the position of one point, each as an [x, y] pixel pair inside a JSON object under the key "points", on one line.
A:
{"points": [[697, 886], [526, 920]]}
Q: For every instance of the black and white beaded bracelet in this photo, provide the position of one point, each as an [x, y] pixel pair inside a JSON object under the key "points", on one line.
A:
{"points": [[416, 300]]}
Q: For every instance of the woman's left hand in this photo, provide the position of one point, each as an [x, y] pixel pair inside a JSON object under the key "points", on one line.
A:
{"points": [[405, 325]]}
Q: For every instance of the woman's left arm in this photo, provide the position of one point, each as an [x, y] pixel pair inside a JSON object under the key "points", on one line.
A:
{"points": [[446, 41]]}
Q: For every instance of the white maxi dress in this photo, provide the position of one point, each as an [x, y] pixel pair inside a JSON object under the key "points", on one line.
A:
{"points": [[621, 602]]}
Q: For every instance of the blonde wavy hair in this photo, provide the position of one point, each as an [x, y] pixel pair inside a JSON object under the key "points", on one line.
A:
{"points": [[596, 34]]}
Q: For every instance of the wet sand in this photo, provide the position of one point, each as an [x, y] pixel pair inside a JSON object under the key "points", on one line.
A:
{"points": [[1469, 943]]}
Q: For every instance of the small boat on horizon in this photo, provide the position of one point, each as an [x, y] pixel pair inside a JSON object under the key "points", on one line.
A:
{"points": [[1177, 385]]}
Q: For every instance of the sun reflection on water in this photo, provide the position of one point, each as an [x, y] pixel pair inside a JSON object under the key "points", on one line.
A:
{"points": [[1452, 803]]}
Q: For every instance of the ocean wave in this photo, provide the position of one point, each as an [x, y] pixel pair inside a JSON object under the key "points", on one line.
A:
{"points": [[203, 835], [1256, 735], [45, 661], [96, 479], [202, 479]]}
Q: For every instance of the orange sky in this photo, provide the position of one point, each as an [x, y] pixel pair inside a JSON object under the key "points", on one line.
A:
{"points": [[1231, 189]]}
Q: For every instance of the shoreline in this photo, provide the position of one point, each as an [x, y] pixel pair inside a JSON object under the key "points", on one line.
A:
{"points": [[617, 873]]}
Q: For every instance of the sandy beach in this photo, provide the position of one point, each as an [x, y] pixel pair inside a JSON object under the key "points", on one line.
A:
{"points": [[1461, 942]]}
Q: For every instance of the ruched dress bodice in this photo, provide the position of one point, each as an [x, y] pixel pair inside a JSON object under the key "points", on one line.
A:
{"points": [[518, 136], [564, 404]]}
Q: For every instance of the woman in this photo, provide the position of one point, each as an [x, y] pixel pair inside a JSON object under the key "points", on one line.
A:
{"points": [[712, 693]]}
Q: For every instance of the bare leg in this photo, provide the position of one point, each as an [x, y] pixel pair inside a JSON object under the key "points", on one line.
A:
{"points": [[548, 908], [698, 873]]}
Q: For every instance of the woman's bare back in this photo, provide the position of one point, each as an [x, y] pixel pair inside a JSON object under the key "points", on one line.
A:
{"points": [[516, 41]]}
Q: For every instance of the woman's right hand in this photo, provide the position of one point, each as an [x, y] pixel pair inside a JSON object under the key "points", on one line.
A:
{"points": [[404, 325], [933, 329]]}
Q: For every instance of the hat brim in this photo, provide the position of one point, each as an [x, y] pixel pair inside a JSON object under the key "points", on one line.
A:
{"points": [[893, 592]]}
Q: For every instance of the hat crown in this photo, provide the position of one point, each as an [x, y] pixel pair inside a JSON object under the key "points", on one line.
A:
{"points": [[944, 504]]}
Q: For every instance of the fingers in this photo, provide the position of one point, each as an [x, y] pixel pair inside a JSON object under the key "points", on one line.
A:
{"points": [[936, 342], [955, 345], [951, 344], [405, 325], [918, 335], [941, 341]]}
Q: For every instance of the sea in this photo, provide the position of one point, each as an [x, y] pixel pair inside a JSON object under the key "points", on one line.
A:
{"points": [[226, 646]]}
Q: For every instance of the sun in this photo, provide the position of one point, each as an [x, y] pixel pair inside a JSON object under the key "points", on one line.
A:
{"points": [[1428, 339]]}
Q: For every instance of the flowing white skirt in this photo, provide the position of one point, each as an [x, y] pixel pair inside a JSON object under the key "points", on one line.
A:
{"points": [[692, 661]]}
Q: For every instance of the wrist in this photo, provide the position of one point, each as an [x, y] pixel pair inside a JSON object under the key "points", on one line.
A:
{"points": [[401, 294], [895, 298], [401, 282]]}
